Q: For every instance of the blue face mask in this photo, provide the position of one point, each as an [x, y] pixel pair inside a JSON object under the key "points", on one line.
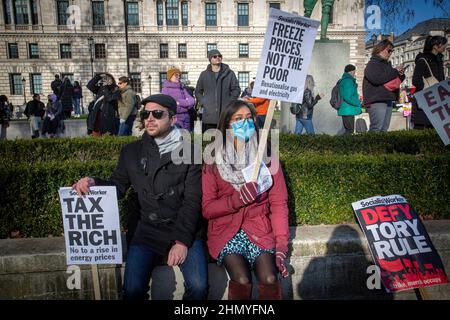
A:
{"points": [[243, 129]]}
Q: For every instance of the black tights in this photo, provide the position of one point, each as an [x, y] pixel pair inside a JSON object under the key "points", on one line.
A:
{"points": [[239, 269]]}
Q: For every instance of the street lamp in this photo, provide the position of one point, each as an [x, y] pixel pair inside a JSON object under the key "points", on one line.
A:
{"points": [[23, 88], [150, 84], [91, 49]]}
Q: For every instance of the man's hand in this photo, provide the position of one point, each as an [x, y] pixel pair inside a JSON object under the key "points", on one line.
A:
{"points": [[82, 186], [177, 255]]}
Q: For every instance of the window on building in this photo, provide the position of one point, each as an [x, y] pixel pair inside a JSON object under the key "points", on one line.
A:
{"points": [[100, 51], [243, 50], [133, 50], [67, 75], [98, 13], [163, 50], [184, 76], [243, 78], [135, 82], [182, 50], [35, 83], [162, 78], [15, 83], [184, 13], [34, 12], [159, 13], [275, 5], [33, 49], [65, 50], [211, 14], [242, 11], [7, 12], [13, 50], [61, 7], [172, 12], [21, 11], [133, 13], [209, 47]]}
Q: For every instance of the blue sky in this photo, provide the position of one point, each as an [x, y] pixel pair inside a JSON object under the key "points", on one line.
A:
{"points": [[423, 11]]}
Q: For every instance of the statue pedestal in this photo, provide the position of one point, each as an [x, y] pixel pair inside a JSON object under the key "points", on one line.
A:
{"points": [[329, 59]]}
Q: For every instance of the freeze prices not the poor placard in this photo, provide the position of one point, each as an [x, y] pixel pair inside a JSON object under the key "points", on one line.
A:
{"points": [[285, 58]]}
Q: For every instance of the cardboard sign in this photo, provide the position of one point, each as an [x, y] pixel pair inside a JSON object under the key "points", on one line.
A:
{"points": [[435, 102], [399, 244], [91, 226], [285, 58]]}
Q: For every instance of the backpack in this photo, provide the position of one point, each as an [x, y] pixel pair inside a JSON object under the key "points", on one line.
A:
{"points": [[360, 125], [296, 108], [336, 99]]}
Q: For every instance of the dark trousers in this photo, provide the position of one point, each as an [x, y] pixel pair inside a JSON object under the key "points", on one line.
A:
{"points": [[349, 124]]}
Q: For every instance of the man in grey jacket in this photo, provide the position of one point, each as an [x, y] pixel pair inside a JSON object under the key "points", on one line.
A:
{"points": [[126, 106], [216, 87]]}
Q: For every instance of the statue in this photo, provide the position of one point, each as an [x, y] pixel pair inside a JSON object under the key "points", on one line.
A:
{"points": [[327, 5]]}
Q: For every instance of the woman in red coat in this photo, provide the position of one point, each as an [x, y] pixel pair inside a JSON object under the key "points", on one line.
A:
{"points": [[247, 222]]}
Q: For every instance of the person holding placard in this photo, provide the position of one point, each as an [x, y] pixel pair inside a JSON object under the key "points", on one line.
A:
{"points": [[169, 228], [429, 64], [247, 221]]}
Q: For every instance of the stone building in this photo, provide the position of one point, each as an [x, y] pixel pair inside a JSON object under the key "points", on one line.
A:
{"points": [[39, 39], [410, 43]]}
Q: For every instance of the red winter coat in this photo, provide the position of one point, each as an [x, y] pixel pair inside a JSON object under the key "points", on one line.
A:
{"points": [[265, 221]]}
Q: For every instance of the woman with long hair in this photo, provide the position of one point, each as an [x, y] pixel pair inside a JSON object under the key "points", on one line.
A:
{"points": [[247, 221], [305, 110], [429, 63], [378, 94]]}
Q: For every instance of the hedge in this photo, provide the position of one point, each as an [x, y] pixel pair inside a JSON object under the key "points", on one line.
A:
{"points": [[321, 188], [84, 149]]}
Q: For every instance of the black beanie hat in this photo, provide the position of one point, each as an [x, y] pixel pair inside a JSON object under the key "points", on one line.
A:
{"points": [[349, 68]]}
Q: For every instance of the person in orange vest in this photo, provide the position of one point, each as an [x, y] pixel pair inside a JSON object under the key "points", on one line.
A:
{"points": [[261, 106]]}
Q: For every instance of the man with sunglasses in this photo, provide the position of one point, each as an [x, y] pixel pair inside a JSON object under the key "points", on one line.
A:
{"points": [[216, 88], [168, 227]]}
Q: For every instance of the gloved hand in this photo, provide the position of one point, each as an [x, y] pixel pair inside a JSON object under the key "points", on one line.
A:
{"points": [[279, 259], [245, 196]]}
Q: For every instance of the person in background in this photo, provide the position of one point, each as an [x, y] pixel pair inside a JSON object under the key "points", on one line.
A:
{"points": [[216, 87], [77, 96], [34, 111], [56, 84], [103, 117], [351, 106], [169, 204], [5, 115], [429, 63], [66, 97], [126, 106], [377, 98], [261, 106], [247, 226], [53, 116], [306, 109], [185, 102]]}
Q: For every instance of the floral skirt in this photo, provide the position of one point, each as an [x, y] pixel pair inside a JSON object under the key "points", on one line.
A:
{"points": [[241, 244]]}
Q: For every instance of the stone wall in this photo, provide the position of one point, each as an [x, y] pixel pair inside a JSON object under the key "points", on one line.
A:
{"points": [[325, 262]]}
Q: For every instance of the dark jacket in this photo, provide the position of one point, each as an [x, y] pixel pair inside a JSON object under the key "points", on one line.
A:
{"points": [[214, 95], [378, 72], [421, 71], [55, 85], [307, 106], [34, 108], [109, 117], [169, 195], [66, 96]]}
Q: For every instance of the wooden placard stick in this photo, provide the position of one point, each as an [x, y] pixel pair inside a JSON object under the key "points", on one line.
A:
{"points": [[96, 282], [263, 139]]}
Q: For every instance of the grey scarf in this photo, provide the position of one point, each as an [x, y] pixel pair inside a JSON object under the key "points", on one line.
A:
{"points": [[170, 142], [230, 163]]}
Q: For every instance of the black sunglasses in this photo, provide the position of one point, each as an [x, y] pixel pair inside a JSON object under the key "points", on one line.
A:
{"points": [[157, 114], [217, 56]]}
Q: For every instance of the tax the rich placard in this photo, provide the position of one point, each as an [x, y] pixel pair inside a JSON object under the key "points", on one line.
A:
{"points": [[399, 243], [285, 57], [91, 226], [435, 102]]}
